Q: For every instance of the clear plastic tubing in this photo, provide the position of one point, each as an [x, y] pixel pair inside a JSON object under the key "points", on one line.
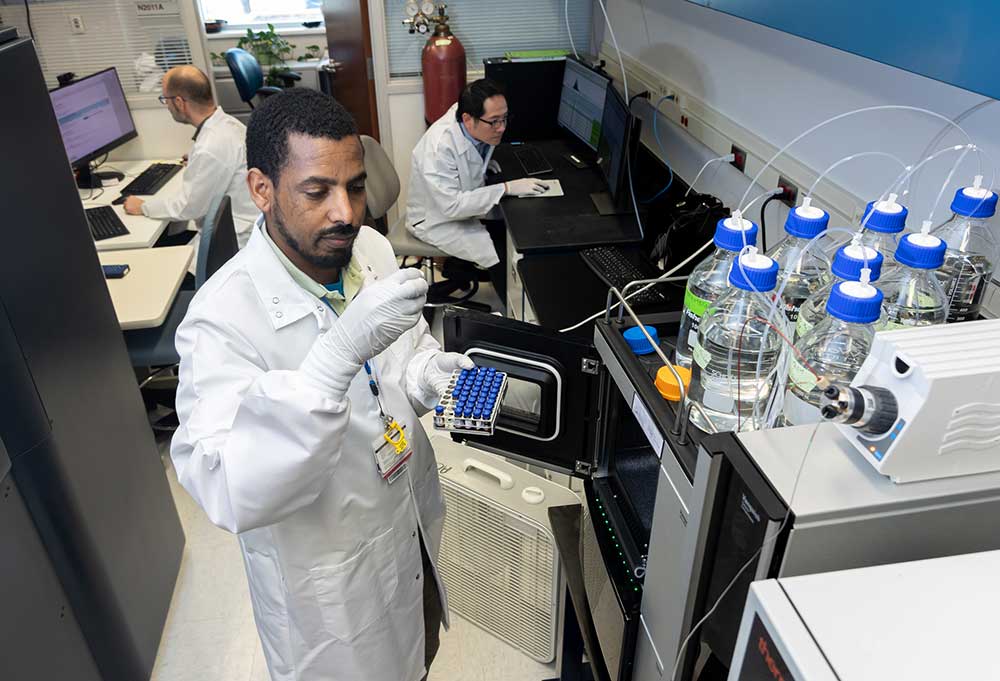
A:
{"points": [[847, 159], [846, 114]]}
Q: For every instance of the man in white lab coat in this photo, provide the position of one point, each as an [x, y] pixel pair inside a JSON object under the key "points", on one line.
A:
{"points": [[216, 163], [298, 357], [448, 196]]}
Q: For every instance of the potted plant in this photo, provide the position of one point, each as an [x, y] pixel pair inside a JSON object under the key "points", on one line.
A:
{"points": [[270, 49], [313, 53], [217, 59]]}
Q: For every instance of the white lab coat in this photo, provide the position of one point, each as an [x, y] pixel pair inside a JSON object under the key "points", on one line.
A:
{"points": [[447, 196], [331, 551], [217, 164]]}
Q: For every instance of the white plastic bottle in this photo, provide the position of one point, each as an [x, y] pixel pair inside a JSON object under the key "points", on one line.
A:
{"points": [[834, 349], [847, 264], [971, 255], [801, 272], [726, 382], [913, 296], [709, 279]]}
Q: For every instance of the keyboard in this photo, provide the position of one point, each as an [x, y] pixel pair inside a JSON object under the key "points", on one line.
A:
{"points": [[532, 160], [616, 270], [152, 179], [105, 223]]}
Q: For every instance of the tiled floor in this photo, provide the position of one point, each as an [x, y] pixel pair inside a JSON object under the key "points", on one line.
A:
{"points": [[210, 633]]}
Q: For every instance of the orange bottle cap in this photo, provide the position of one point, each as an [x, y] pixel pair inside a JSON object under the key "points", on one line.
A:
{"points": [[667, 384]]}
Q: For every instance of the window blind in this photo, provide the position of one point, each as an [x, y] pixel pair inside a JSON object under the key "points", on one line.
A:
{"points": [[489, 29], [142, 48]]}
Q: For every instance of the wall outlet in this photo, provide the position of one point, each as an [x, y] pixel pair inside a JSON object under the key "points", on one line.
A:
{"points": [[739, 158], [76, 24], [791, 195]]}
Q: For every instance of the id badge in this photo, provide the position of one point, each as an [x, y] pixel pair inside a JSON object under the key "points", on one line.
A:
{"points": [[392, 451]]}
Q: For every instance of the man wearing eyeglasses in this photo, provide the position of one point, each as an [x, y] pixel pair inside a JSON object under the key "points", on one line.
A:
{"points": [[216, 163], [448, 196]]}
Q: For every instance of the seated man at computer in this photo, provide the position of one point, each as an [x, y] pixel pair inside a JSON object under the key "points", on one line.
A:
{"points": [[216, 163], [448, 197]]}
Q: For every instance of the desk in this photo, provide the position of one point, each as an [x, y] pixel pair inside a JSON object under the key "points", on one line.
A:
{"points": [[578, 627], [142, 298], [527, 219], [143, 231]]}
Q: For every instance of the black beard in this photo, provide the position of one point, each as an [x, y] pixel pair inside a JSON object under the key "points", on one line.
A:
{"points": [[338, 259]]}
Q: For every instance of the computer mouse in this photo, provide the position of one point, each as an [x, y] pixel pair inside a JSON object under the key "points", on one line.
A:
{"points": [[120, 200]]}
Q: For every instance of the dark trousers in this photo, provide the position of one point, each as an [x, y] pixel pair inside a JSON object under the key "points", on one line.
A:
{"points": [[432, 611], [498, 273]]}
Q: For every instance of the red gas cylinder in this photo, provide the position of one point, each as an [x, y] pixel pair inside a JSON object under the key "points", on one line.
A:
{"points": [[443, 62]]}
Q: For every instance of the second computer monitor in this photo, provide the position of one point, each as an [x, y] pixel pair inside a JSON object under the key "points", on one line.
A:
{"points": [[93, 116], [619, 133]]}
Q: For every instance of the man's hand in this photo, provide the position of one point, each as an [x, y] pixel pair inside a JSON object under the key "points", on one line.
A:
{"points": [[493, 167], [438, 371], [133, 205], [184, 160], [526, 186]]}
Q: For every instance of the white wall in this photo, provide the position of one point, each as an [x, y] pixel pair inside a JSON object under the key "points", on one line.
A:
{"points": [[777, 85], [160, 137]]}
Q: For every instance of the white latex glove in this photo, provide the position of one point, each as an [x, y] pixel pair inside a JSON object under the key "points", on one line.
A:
{"points": [[493, 166], [438, 371], [525, 187], [381, 312]]}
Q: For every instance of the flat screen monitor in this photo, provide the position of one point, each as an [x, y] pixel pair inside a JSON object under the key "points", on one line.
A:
{"points": [[93, 116], [618, 135], [581, 105]]}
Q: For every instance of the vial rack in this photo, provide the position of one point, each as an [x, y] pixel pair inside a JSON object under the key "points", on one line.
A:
{"points": [[472, 401]]}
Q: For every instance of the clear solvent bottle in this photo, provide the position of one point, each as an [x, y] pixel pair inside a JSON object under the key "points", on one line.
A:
{"points": [[736, 352], [847, 264], [801, 272], [913, 295], [710, 279], [971, 253], [835, 349]]}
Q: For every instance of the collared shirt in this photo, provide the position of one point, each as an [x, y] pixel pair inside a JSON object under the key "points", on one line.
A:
{"points": [[482, 147], [337, 295], [197, 129]]}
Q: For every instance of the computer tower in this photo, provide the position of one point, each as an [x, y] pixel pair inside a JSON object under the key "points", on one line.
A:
{"points": [[72, 421], [532, 92]]}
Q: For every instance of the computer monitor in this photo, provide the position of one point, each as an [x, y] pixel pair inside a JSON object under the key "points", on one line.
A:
{"points": [[619, 134], [581, 104], [93, 118]]}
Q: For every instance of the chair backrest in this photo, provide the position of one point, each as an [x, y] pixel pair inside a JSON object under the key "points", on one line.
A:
{"points": [[383, 183], [247, 74], [217, 241]]}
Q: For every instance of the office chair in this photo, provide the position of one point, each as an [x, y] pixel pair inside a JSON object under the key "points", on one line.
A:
{"points": [[383, 190], [249, 76], [154, 348]]}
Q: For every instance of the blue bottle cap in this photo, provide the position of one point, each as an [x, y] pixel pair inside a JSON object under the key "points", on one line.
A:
{"points": [[887, 217], [729, 234], [761, 272], [974, 202], [923, 251], [439, 409], [637, 341], [849, 260], [806, 222], [852, 301]]}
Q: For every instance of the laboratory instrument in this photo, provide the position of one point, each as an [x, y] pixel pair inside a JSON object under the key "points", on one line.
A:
{"points": [[442, 59], [833, 350], [736, 352], [802, 269], [847, 264], [971, 256], [472, 401], [913, 295], [709, 280], [925, 403], [921, 620]]}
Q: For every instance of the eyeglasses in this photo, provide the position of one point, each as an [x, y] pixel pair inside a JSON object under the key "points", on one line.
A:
{"points": [[496, 123], [166, 98]]}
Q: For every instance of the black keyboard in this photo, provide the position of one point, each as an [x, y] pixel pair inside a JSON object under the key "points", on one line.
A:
{"points": [[532, 160], [616, 270], [105, 223], [152, 179]]}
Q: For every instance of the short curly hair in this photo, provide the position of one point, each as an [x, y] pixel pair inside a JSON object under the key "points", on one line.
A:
{"points": [[295, 110]]}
